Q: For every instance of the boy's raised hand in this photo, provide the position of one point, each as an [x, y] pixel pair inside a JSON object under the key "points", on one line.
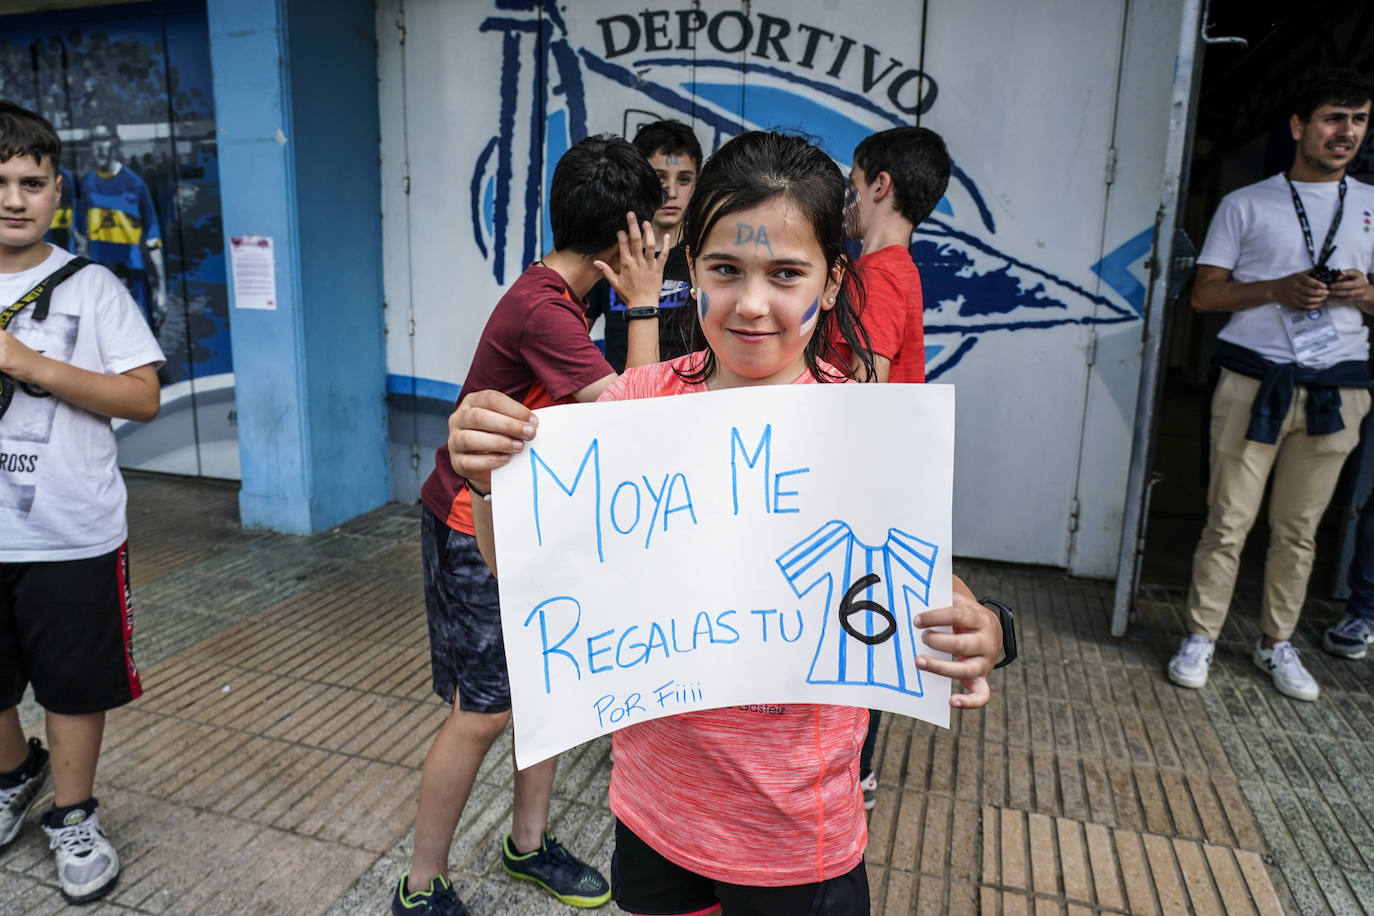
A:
{"points": [[485, 431], [975, 644], [640, 279]]}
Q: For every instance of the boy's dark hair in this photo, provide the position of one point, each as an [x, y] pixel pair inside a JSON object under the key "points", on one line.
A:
{"points": [[918, 162], [753, 169], [26, 133], [1343, 86], [668, 137], [594, 185]]}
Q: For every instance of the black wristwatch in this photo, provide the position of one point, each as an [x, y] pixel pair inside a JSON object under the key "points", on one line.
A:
{"points": [[642, 311], [1008, 621]]}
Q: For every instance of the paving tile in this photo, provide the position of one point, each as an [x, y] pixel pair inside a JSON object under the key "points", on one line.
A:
{"points": [[1228, 881], [1044, 867], [992, 846], [1135, 872], [1073, 861], [964, 847], [1262, 892], [1013, 849]]}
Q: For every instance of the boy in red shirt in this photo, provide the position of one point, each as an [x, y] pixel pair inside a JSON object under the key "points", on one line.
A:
{"points": [[899, 175]]}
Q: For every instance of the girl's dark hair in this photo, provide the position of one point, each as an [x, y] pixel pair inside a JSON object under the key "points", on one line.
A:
{"points": [[757, 167]]}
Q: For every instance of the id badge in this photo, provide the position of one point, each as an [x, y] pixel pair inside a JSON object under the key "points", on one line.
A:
{"points": [[1312, 333]]}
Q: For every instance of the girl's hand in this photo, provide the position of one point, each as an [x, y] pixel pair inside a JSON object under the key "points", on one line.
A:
{"points": [[485, 431], [975, 644], [640, 279]]}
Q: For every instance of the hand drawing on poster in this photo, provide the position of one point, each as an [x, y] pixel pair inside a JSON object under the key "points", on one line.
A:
{"points": [[722, 549]]}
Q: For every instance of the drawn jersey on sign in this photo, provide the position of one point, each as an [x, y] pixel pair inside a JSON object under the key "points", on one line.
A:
{"points": [[866, 638]]}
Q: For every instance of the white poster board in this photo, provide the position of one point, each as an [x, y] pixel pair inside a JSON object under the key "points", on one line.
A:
{"points": [[696, 552]]}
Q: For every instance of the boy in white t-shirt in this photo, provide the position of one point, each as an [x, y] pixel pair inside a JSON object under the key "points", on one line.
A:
{"points": [[74, 352]]}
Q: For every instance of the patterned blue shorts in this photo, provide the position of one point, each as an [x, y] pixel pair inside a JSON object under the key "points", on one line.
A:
{"points": [[466, 652]]}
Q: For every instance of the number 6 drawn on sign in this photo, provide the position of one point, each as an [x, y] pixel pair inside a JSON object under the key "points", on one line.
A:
{"points": [[849, 607]]}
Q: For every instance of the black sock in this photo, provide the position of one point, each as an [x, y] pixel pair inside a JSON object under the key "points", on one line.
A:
{"points": [[55, 816], [15, 777]]}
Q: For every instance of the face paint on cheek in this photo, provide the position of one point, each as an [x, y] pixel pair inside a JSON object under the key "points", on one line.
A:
{"points": [[702, 304], [809, 318]]}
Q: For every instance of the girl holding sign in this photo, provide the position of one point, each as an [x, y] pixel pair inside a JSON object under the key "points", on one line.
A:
{"points": [[751, 810]]}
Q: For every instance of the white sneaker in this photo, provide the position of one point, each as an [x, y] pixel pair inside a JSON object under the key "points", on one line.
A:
{"points": [[1290, 677], [870, 786], [18, 796], [1192, 662], [87, 865]]}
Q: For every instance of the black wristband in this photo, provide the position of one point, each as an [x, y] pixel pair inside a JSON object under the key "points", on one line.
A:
{"points": [[642, 311], [485, 497], [1008, 621]]}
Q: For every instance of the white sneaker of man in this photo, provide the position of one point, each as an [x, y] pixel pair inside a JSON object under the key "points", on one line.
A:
{"points": [[1192, 662], [1290, 677], [87, 865]]}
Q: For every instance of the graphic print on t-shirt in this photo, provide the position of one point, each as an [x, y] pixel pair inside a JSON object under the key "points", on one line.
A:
{"points": [[866, 636], [29, 419], [31, 413]]}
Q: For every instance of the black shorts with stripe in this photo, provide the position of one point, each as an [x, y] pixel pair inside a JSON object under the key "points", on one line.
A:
{"points": [[67, 627]]}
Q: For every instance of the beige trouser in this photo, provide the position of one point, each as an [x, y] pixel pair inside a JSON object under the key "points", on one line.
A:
{"points": [[1305, 468]]}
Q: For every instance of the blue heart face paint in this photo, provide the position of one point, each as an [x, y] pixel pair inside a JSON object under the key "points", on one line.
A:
{"points": [[703, 305]]}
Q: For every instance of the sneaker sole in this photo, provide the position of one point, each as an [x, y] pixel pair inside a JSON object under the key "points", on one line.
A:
{"points": [[570, 899], [1290, 693], [94, 895], [1183, 680], [1341, 652], [43, 789]]}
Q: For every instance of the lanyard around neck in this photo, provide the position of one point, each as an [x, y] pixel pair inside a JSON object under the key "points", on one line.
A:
{"points": [[1327, 247]]}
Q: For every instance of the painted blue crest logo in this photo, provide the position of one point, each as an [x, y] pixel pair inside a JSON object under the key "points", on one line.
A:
{"points": [[688, 65]]}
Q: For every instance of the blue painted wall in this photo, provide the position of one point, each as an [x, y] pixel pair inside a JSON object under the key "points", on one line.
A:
{"points": [[296, 94]]}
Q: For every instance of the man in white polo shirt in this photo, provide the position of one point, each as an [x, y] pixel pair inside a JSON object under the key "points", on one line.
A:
{"points": [[1290, 259]]}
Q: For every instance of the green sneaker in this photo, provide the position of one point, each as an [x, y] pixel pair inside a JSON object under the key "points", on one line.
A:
{"points": [[438, 900], [557, 871]]}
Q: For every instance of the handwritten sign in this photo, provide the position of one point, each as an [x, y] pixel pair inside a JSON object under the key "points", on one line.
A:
{"points": [[757, 546]]}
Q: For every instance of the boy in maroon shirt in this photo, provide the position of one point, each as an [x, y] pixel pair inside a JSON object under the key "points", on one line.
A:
{"points": [[534, 348]]}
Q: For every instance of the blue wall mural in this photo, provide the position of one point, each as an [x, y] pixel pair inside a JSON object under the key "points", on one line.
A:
{"points": [[730, 72]]}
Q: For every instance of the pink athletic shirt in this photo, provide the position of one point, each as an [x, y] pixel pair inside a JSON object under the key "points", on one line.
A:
{"points": [[765, 795]]}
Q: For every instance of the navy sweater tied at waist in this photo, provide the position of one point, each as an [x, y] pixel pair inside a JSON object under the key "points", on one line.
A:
{"points": [[1277, 383]]}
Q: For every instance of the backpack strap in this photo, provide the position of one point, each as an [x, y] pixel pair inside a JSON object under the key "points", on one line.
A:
{"points": [[41, 295]]}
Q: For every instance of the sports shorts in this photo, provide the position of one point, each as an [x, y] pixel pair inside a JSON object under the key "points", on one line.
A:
{"points": [[466, 652], [67, 628], [644, 883]]}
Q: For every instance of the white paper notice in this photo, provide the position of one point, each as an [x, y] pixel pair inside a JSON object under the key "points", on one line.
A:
{"points": [[254, 272], [752, 546]]}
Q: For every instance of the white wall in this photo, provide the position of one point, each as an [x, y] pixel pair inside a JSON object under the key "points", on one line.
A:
{"points": [[1029, 96]]}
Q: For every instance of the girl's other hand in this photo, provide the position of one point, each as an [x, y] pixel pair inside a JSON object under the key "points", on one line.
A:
{"points": [[485, 431], [975, 643]]}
